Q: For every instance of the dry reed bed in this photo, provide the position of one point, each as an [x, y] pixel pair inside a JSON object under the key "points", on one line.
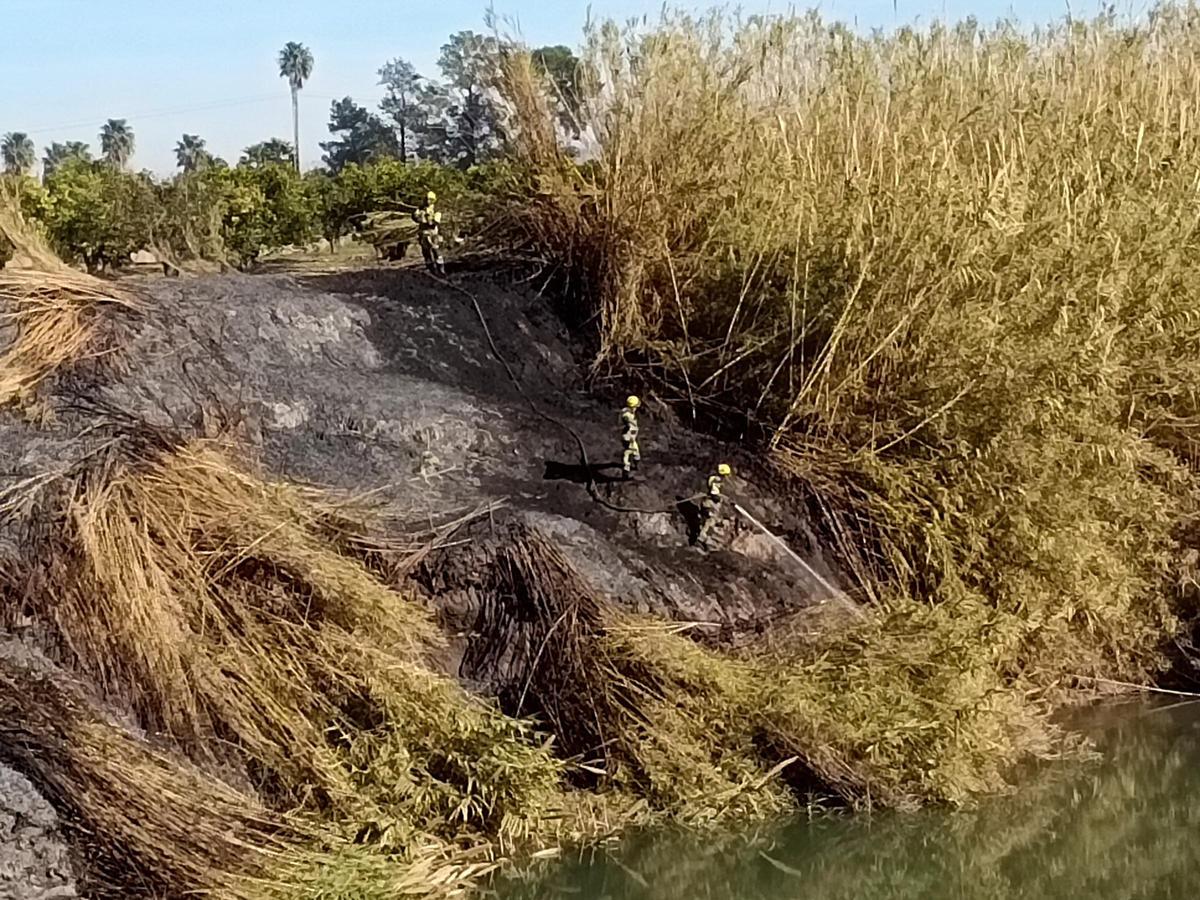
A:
{"points": [[54, 321], [146, 823], [698, 736], [223, 610], [950, 275], [136, 815], [298, 742], [237, 621]]}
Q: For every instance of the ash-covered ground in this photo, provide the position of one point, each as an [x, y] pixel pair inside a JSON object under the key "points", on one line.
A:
{"points": [[383, 381]]}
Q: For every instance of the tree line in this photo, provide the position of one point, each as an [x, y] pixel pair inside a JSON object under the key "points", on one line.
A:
{"points": [[446, 133], [19, 156], [455, 119], [99, 215]]}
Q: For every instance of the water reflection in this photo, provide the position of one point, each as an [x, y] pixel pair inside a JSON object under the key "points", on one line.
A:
{"points": [[1125, 827]]}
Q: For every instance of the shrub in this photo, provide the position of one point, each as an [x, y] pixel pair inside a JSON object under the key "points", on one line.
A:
{"points": [[97, 214]]}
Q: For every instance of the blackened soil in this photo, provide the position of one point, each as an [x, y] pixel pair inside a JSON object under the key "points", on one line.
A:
{"points": [[384, 380]]}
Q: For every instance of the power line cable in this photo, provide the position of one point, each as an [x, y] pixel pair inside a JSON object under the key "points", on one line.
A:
{"points": [[179, 110]]}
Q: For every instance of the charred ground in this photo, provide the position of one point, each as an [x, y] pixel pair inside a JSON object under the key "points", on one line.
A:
{"points": [[383, 382]]}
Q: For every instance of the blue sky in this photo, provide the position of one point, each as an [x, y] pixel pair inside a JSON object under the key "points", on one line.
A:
{"points": [[209, 67]]}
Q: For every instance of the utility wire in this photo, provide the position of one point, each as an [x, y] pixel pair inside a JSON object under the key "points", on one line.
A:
{"points": [[179, 110]]}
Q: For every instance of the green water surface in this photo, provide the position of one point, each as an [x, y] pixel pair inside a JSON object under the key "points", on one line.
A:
{"points": [[1126, 826]]}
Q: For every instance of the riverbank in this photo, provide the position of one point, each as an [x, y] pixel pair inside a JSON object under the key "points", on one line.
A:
{"points": [[942, 281], [1117, 826], [471, 662], [474, 659], [317, 556]]}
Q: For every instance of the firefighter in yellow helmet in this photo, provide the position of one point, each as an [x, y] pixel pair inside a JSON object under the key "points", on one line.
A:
{"points": [[632, 454], [428, 219], [710, 505]]}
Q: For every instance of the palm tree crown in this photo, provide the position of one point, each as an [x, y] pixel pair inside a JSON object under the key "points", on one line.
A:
{"points": [[190, 153], [116, 142], [275, 150], [296, 65], [18, 152], [59, 154]]}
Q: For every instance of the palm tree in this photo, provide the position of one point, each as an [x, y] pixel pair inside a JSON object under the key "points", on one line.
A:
{"points": [[190, 153], [265, 153], [116, 142], [295, 64], [18, 152], [60, 154]]}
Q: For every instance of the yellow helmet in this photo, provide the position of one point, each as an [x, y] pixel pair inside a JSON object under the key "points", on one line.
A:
{"points": [[632, 402], [431, 196], [724, 471]]}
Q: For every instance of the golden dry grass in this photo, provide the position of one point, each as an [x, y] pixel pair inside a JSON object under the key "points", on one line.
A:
{"points": [[49, 313], [221, 609], [946, 275], [52, 319], [239, 622], [141, 817]]}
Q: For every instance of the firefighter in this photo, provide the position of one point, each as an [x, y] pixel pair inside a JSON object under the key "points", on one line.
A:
{"points": [[711, 504], [632, 454], [428, 219]]}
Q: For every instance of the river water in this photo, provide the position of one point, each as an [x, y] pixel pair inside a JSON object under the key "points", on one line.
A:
{"points": [[1126, 826]]}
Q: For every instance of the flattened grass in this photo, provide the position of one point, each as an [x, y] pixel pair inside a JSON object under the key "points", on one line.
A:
{"points": [[48, 313], [138, 816], [237, 621]]}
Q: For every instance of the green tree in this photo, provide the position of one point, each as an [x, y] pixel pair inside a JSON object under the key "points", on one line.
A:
{"points": [[116, 142], [266, 208], [291, 205], [275, 150], [471, 122], [296, 65], [58, 154], [190, 216], [18, 152], [344, 200], [433, 128], [341, 199], [402, 104], [561, 69], [100, 215], [244, 229], [362, 136], [190, 153]]}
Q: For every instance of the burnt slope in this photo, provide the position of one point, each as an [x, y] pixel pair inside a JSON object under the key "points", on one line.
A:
{"points": [[384, 380]]}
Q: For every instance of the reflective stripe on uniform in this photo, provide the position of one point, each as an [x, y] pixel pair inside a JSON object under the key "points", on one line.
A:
{"points": [[427, 219], [629, 420]]}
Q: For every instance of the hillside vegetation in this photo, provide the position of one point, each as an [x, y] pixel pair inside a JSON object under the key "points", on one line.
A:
{"points": [[947, 279], [940, 282]]}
